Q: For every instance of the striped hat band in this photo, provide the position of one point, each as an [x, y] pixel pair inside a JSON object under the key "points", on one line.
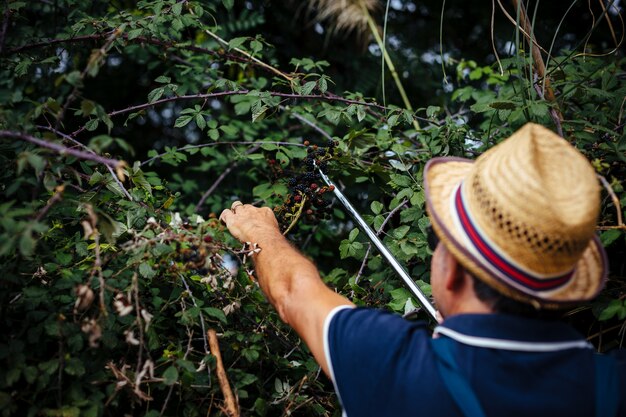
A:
{"points": [[494, 259]]}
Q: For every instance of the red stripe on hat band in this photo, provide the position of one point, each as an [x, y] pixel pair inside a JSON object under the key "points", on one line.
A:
{"points": [[498, 261]]}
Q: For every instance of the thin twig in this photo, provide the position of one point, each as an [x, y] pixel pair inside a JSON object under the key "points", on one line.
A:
{"points": [[321, 97], [135, 288], [493, 39], [219, 179], [242, 52], [5, 25], [98, 269], [609, 22], [378, 232], [58, 196], [554, 114], [392, 69], [95, 59], [231, 409], [296, 217], [308, 122], [618, 207], [113, 163], [193, 299], [88, 149]]}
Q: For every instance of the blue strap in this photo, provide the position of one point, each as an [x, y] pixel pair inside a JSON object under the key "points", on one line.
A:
{"points": [[607, 392], [607, 382], [458, 386]]}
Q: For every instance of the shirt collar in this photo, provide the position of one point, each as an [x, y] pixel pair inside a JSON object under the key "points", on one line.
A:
{"points": [[509, 332]]}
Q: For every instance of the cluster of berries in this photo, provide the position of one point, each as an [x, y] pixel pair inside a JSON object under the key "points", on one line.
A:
{"points": [[306, 196]]}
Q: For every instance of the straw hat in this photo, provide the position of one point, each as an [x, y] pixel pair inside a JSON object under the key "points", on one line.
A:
{"points": [[522, 218]]}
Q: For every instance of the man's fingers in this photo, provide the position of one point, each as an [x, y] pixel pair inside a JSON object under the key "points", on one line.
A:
{"points": [[225, 216]]}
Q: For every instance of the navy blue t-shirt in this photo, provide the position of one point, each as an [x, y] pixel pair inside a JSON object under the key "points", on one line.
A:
{"points": [[383, 365]]}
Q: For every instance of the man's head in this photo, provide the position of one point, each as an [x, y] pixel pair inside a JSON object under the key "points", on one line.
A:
{"points": [[520, 219]]}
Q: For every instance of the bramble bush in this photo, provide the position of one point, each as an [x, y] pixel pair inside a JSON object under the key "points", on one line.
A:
{"points": [[125, 129]]}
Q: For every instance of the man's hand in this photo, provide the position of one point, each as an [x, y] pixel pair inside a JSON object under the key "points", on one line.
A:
{"points": [[250, 224]]}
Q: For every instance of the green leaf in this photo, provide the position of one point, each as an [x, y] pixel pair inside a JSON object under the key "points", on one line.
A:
{"points": [[27, 243], [146, 270], [135, 33], [353, 234], [236, 42], [162, 79], [183, 121], [609, 236], [376, 207], [170, 375], [228, 4], [307, 88], [215, 313], [432, 111], [347, 248], [200, 122], [92, 125], [615, 308], [155, 94], [398, 165], [401, 231]]}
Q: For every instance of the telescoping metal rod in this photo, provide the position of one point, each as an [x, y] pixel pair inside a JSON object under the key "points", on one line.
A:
{"points": [[417, 292]]}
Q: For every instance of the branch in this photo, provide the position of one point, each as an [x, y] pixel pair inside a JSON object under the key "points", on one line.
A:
{"points": [[308, 122], [242, 52], [58, 196], [206, 145], [139, 39], [62, 150], [618, 207], [230, 402], [378, 232], [321, 97], [540, 66], [74, 141], [219, 180], [390, 65], [5, 25]]}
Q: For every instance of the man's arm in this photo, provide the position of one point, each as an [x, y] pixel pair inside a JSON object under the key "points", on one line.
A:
{"points": [[290, 281]]}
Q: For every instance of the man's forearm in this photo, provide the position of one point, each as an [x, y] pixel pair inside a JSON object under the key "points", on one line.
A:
{"points": [[282, 271]]}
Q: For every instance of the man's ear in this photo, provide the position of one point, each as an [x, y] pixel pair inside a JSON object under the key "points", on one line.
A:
{"points": [[455, 274]]}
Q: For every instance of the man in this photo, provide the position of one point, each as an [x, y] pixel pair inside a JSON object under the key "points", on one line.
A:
{"points": [[517, 231]]}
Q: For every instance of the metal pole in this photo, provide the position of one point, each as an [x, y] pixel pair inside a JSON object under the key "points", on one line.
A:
{"points": [[417, 292]]}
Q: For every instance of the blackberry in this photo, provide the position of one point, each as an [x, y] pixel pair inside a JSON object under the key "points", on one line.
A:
{"points": [[310, 176], [323, 166], [309, 161], [292, 182], [331, 143], [321, 152]]}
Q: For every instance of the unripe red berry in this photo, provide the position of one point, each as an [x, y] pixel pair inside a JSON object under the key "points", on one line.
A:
{"points": [[207, 239], [331, 188], [313, 186], [297, 198], [306, 143]]}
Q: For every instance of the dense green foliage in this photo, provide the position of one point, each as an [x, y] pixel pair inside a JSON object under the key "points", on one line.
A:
{"points": [[112, 272]]}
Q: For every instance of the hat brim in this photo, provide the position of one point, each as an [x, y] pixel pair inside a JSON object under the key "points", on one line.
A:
{"points": [[441, 176]]}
